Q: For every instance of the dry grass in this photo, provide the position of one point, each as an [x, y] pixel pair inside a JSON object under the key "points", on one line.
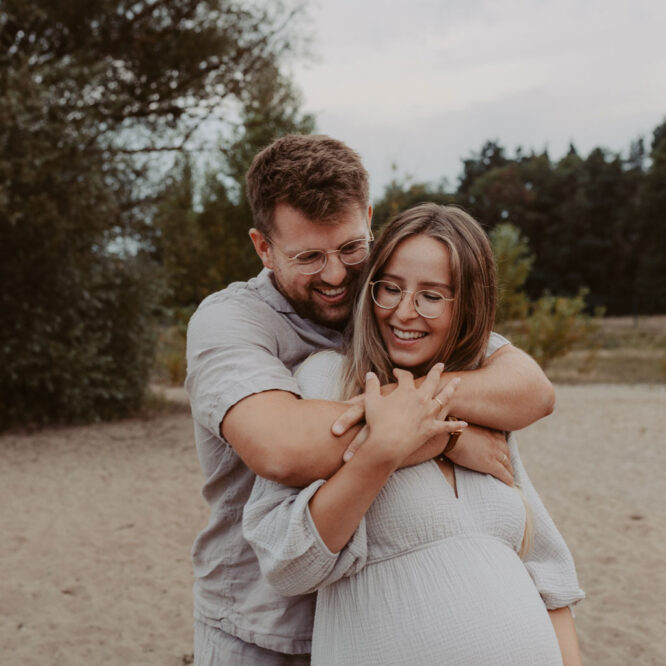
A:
{"points": [[624, 350]]}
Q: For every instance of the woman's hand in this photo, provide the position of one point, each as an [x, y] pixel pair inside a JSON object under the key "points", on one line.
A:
{"points": [[399, 423]]}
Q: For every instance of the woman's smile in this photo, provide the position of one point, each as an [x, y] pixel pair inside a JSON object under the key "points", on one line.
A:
{"points": [[413, 341]]}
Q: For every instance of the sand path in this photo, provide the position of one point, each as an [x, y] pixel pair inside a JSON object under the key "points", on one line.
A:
{"points": [[97, 524]]}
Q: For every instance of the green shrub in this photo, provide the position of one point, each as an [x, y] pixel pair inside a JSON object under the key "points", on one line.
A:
{"points": [[554, 326], [514, 262], [548, 327], [81, 346], [170, 362]]}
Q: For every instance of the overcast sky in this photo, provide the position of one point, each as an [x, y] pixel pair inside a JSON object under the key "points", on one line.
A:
{"points": [[421, 84]]}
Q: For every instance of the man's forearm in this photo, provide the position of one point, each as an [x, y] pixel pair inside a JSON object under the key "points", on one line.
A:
{"points": [[509, 392], [285, 439]]}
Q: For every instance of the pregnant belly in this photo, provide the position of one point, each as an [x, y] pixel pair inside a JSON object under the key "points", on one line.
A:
{"points": [[465, 600]]}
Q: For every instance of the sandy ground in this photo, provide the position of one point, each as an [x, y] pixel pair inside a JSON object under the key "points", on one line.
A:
{"points": [[97, 524]]}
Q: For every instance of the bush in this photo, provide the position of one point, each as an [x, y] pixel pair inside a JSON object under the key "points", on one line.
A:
{"points": [[81, 348], [170, 361], [548, 327], [555, 325], [514, 262]]}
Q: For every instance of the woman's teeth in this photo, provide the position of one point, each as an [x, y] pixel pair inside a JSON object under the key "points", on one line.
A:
{"points": [[407, 335]]}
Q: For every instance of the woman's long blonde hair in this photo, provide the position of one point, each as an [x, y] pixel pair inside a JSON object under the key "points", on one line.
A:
{"points": [[475, 302], [474, 292]]}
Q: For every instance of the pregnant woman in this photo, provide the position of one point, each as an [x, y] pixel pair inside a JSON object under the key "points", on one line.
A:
{"points": [[434, 563]]}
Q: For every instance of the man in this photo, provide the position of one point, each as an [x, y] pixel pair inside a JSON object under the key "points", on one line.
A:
{"points": [[309, 198]]}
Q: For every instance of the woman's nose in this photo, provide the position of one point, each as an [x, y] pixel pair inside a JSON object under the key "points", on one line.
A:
{"points": [[406, 309]]}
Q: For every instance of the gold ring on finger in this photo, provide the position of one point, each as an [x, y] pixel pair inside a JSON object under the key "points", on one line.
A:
{"points": [[439, 402]]}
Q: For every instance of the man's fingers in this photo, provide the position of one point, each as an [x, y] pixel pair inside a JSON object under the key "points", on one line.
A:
{"points": [[348, 418], [356, 443], [504, 473], [506, 461], [506, 468], [439, 427]]}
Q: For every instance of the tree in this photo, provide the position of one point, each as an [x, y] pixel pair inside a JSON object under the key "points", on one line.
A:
{"points": [[401, 194], [514, 262], [547, 327], [491, 156], [649, 228], [204, 247], [90, 93]]}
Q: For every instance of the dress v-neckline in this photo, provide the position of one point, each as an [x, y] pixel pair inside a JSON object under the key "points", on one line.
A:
{"points": [[455, 486]]}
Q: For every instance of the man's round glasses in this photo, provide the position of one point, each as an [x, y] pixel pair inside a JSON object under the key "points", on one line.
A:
{"points": [[388, 296], [310, 262]]}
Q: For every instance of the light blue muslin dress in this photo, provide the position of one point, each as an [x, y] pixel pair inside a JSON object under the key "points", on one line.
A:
{"points": [[430, 576]]}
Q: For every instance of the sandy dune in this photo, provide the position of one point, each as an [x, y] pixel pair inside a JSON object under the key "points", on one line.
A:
{"points": [[97, 523]]}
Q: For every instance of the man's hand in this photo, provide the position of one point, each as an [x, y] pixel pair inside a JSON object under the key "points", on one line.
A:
{"points": [[483, 450]]}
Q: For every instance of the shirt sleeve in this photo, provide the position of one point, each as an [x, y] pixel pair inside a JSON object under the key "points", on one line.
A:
{"points": [[495, 342], [548, 561], [292, 556], [277, 522], [232, 352]]}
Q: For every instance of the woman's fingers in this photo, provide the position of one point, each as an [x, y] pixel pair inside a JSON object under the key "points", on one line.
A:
{"points": [[444, 396], [431, 382], [349, 418], [404, 377], [372, 386], [356, 443]]}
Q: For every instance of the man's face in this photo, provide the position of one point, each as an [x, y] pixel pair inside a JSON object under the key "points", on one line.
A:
{"points": [[326, 297]]}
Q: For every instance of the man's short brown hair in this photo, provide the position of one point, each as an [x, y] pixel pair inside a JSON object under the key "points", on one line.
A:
{"points": [[318, 176]]}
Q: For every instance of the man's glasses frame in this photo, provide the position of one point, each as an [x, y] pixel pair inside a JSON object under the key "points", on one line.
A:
{"points": [[311, 262]]}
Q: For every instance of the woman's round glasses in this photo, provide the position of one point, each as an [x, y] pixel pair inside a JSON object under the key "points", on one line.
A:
{"points": [[310, 262], [428, 303]]}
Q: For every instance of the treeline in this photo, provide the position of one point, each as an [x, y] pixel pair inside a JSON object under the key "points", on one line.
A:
{"points": [[94, 98], [99, 246], [597, 222]]}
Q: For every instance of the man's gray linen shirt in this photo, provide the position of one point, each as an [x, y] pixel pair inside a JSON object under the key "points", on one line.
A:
{"points": [[243, 340]]}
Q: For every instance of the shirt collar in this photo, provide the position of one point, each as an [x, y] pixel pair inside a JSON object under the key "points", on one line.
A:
{"points": [[270, 294]]}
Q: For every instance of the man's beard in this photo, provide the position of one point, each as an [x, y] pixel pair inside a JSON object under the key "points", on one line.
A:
{"points": [[331, 316]]}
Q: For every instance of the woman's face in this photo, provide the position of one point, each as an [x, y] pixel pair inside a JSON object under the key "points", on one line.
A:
{"points": [[412, 341]]}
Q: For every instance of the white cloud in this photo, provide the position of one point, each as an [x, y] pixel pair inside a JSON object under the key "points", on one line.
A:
{"points": [[424, 84]]}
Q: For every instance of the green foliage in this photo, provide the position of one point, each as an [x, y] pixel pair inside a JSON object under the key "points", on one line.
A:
{"points": [[514, 261], [205, 247], [650, 231], [401, 194], [170, 362], [91, 95], [554, 326], [586, 218], [82, 349], [548, 327]]}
